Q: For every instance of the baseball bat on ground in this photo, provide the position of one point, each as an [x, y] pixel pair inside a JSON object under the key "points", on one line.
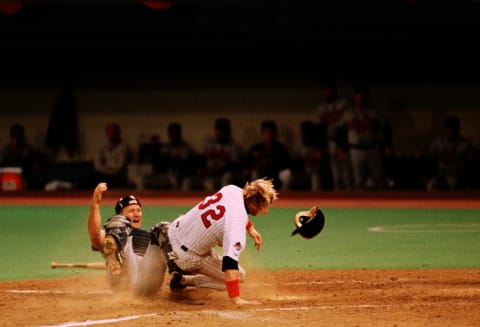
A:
{"points": [[88, 265]]}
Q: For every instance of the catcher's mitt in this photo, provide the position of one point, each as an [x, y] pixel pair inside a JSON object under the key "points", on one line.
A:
{"points": [[309, 223]]}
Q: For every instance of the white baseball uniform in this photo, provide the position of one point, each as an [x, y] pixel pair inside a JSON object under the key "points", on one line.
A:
{"points": [[219, 220], [365, 139], [144, 272]]}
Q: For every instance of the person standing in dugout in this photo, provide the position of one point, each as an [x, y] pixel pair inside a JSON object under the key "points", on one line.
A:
{"points": [[221, 220]]}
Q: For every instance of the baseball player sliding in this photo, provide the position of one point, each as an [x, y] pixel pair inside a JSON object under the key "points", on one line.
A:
{"points": [[136, 259], [221, 220]]}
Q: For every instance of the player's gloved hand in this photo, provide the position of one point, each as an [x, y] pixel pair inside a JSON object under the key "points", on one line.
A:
{"points": [[240, 301]]}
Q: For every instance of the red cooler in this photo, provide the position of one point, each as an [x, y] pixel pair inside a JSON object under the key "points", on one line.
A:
{"points": [[11, 178]]}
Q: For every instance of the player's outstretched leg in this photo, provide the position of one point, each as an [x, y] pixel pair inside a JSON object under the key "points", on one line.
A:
{"points": [[209, 275]]}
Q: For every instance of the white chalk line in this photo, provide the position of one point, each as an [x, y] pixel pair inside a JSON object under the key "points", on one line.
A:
{"points": [[313, 283], [102, 292], [235, 315], [56, 292], [308, 283], [102, 321], [427, 228]]}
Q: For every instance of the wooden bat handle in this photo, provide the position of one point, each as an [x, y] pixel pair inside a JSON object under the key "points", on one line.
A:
{"points": [[91, 265]]}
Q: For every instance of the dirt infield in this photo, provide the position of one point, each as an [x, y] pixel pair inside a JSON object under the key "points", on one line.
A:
{"points": [[289, 298]]}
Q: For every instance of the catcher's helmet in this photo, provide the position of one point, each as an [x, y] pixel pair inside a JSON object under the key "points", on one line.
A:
{"points": [[125, 202], [309, 223]]}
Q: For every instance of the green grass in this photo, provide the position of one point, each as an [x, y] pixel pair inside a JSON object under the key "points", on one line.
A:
{"points": [[346, 242], [33, 236]]}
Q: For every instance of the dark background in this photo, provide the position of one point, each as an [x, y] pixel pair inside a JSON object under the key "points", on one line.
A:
{"points": [[243, 42]]}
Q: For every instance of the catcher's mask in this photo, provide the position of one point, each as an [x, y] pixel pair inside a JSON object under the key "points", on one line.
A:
{"points": [[309, 223]]}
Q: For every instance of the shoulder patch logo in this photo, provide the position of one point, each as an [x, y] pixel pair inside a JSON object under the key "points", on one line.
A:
{"points": [[238, 246]]}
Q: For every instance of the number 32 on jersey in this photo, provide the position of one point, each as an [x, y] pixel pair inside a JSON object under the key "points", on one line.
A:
{"points": [[212, 212]]}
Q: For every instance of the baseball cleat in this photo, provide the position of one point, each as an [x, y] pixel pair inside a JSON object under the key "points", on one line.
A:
{"points": [[176, 282], [112, 256]]}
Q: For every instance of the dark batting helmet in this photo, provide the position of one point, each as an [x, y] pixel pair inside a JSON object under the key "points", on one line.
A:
{"points": [[125, 202], [309, 223]]}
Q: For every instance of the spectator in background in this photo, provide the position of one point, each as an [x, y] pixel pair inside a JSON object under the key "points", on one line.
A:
{"points": [[151, 153], [269, 158], [310, 164], [175, 162], [369, 140], [221, 160], [330, 113], [151, 163], [63, 124], [19, 153], [112, 158], [452, 157]]}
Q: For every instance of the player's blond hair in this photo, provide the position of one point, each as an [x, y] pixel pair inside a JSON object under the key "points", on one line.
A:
{"points": [[260, 193]]}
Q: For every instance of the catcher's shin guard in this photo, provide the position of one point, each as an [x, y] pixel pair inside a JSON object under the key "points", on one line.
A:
{"points": [[117, 230], [113, 257], [159, 236]]}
